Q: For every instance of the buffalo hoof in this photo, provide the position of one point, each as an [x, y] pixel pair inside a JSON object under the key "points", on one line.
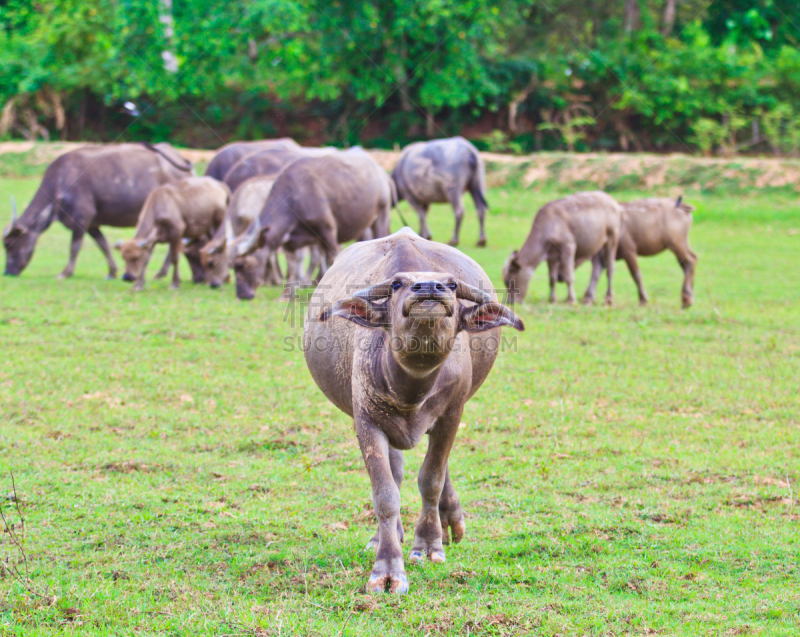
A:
{"points": [[160, 275], [609, 301], [481, 243], [127, 277], [372, 545], [388, 582], [246, 298], [64, 275], [458, 528], [7, 273], [435, 555], [138, 288], [111, 277], [174, 286], [642, 302], [453, 243], [588, 300]]}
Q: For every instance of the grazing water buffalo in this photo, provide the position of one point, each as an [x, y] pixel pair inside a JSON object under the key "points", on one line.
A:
{"points": [[649, 227], [229, 154], [566, 232], [190, 209], [87, 188], [244, 206], [440, 171], [268, 162], [318, 200], [417, 342]]}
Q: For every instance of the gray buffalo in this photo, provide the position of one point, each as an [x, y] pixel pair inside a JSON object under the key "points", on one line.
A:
{"points": [[190, 209], [87, 188], [440, 171], [317, 200], [567, 232], [649, 227], [268, 162], [229, 154], [415, 337]]}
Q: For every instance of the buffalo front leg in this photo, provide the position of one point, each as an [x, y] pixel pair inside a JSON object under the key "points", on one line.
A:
{"points": [[567, 254], [636, 274], [552, 271], [396, 464], [165, 266], [388, 572], [431, 481], [597, 270], [101, 242], [450, 513], [610, 260], [74, 248]]}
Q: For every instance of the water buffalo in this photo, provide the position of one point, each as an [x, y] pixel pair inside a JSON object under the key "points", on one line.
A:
{"points": [[229, 154], [318, 200], [87, 188], [649, 227], [268, 162], [417, 342], [190, 209], [440, 171], [566, 232]]}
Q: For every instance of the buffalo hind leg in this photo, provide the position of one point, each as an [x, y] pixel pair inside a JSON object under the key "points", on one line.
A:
{"points": [[450, 513], [458, 210], [422, 213], [688, 262], [101, 242], [597, 270], [552, 270], [175, 253], [396, 464], [74, 249], [388, 571], [610, 260]]}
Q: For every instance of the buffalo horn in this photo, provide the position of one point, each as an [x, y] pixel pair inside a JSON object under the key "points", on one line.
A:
{"points": [[13, 211], [376, 292], [678, 202], [228, 232], [471, 293], [246, 244]]}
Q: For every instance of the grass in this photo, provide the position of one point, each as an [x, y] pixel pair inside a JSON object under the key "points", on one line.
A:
{"points": [[624, 472]]}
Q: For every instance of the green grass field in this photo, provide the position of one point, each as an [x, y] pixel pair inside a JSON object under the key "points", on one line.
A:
{"points": [[632, 471]]}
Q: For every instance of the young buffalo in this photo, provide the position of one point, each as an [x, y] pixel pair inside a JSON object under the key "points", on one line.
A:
{"points": [[403, 357], [649, 227], [566, 232], [190, 209]]}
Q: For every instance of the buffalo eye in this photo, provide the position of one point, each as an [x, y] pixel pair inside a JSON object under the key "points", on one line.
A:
{"points": [[452, 286], [396, 285]]}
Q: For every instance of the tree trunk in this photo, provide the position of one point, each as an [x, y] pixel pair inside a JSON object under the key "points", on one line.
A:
{"points": [[669, 18], [430, 124], [631, 16]]}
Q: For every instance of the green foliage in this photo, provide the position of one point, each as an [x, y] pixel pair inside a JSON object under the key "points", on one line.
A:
{"points": [[398, 70]]}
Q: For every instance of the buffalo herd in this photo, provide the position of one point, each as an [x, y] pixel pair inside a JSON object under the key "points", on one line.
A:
{"points": [[404, 330]]}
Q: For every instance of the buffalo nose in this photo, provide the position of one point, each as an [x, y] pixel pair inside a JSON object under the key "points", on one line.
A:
{"points": [[428, 289], [214, 285], [127, 277], [7, 273]]}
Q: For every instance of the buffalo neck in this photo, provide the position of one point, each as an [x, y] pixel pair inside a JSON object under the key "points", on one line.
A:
{"points": [[407, 387]]}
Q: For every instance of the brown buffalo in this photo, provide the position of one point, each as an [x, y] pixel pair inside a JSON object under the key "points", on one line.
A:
{"points": [[441, 171], [317, 200], [190, 209], [649, 227], [566, 232], [415, 343], [87, 188]]}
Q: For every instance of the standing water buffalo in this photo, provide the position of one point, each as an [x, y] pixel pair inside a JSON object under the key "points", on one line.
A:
{"points": [[649, 227], [87, 188], [440, 171], [190, 209], [229, 154], [567, 232], [418, 341], [318, 200]]}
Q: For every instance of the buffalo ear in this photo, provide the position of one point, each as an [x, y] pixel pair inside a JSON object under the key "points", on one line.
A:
{"points": [[359, 311], [487, 316], [513, 260], [261, 239]]}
